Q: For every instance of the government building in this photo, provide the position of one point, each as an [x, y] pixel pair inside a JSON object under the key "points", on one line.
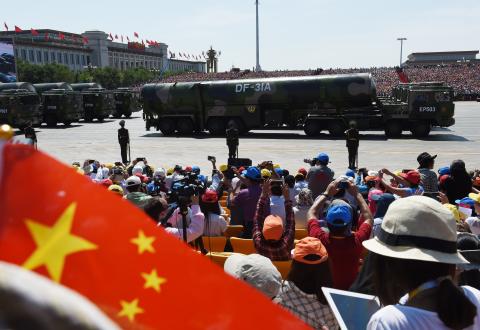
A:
{"points": [[93, 49]]}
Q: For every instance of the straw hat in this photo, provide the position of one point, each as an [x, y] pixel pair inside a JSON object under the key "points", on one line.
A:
{"points": [[417, 228]]}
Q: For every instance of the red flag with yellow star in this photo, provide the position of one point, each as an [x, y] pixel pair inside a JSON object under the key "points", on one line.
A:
{"points": [[56, 222]]}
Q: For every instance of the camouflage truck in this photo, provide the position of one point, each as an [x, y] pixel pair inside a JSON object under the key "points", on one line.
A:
{"points": [[314, 103], [19, 105], [97, 101], [126, 102], [60, 103]]}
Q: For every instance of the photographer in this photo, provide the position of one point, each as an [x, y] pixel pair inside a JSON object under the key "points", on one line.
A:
{"points": [[195, 226], [158, 185], [319, 175]]}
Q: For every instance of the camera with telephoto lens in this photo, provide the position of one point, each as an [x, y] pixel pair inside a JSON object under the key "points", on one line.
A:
{"points": [[188, 186]]}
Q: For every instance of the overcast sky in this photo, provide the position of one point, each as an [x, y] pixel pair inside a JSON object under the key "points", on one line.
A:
{"points": [[299, 34]]}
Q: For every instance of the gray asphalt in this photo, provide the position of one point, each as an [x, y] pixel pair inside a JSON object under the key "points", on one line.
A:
{"points": [[286, 147]]}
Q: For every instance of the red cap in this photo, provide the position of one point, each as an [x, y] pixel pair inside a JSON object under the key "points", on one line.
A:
{"points": [[142, 177], [241, 169], [210, 196], [443, 178], [106, 183], [188, 169], [412, 176], [303, 171]]}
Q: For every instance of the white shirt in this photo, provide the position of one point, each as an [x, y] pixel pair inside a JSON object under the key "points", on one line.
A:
{"points": [[277, 207], [195, 228], [474, 223], [301, 218], [215, 226], [400, 317], [299, 185]]}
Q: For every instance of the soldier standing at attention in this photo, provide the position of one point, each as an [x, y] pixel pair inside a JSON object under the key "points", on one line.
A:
{"points": [[30, 134], [124, 140], [232, 140], [353, 139]]}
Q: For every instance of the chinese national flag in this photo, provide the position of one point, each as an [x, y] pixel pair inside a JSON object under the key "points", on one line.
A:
{"points": [[135, 34], [17, 29], [5, 25], [56, 222], [116, 36], [61, 36], [111, 37], [46, 37], [85, 40], [128, 39], [34, 32]]}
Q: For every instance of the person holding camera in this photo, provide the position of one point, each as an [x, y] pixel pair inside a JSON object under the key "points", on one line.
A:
{"points": [[195, 222], [158, 186], [319, 175], [272, 237], [344, 247]]}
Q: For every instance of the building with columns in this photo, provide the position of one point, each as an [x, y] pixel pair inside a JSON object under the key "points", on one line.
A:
{"points": [[95, 49]]}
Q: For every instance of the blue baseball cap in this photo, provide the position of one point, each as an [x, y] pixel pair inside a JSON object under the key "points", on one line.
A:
{"points": [[350, 173], [252, 173], [339, 215], [466, 201], [323, 158], [444, 170], [195, 169], [279, 171]]}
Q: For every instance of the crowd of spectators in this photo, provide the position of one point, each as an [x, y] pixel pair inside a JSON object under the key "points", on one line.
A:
{"points": [[463, 77], [420, 228]]}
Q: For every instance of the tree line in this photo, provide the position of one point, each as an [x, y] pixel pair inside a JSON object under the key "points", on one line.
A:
{"points": [[109, 78]]}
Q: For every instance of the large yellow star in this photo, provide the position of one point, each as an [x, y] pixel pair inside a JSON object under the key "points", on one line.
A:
{"points": [[153, 281], [143, 242], [130, 309], [55, 243]]}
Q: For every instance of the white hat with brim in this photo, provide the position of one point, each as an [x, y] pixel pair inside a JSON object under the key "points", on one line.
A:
{"points": [[417, 228], [414, 253]]}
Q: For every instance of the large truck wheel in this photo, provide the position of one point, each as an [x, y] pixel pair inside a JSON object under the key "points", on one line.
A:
{"points": [[67, 123], [167, 126], [312, 128], [88, 118], [336, 128], [128, 114], [100, 119], [421, 129], [393, 129], [185, 126], [216, 126], [51, 121]]}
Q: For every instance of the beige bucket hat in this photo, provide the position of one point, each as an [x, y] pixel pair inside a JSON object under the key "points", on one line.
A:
{"points": [[417, 228]]}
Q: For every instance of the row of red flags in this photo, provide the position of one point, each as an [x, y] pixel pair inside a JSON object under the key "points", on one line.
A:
{"points": [[136, 273], [48, 36]]}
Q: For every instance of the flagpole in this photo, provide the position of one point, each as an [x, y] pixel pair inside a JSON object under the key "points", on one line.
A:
{"points": [[258, 68]]}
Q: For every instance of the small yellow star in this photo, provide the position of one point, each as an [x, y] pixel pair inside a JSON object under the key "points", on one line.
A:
{"points": [[130, 309], [153, 281], [143, 242], [55, 243]]}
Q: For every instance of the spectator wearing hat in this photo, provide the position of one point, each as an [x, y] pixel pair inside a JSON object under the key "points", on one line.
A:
{"points": [[134, 191], [304, 202], [215, 224], [256, 270], [300, 183], [271, 237], [408, 183], [124, 141], [343, 246], [116, 189], [469, 246], [474, 221], [247, 199], [158, 185], [320, 175], [415, 255], [302, 292], [458, 184], [428, 178]]}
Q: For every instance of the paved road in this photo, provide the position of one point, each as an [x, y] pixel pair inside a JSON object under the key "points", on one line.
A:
{"points": [[286, 147]]}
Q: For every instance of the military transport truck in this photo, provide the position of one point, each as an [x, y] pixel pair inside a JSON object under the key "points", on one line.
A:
{"points": [[19, 105], [314, 103], [60, 103], [97, 101], [126, 102]]}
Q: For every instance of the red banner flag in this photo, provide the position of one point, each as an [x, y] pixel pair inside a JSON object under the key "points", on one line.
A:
{"points": [[110, 36], [17, 29], [135, 34], [6, 26], [85, 40], [116, 256], [34, 32], [46, 36], [402, 76], [61, 36], [128, 39]]}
